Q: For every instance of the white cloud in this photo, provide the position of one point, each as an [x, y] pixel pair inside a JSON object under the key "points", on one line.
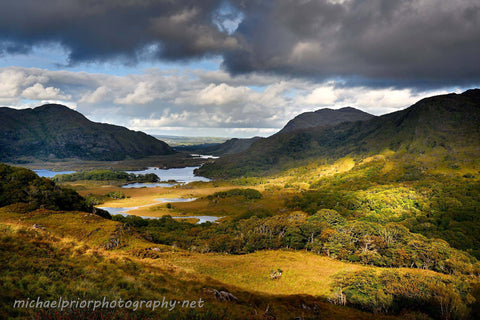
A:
{"points": [[222, 94], [322, 96], [193, 99], [99, 95], [39, 92], [142, 94], [164, 121], [381, 101], [10, 83]]}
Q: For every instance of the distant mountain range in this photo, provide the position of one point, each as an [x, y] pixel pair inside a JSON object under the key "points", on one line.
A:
{"points": [[447, 122], [325, 117], [54, 131], [183, 141], [322, 117], [231, 146]]}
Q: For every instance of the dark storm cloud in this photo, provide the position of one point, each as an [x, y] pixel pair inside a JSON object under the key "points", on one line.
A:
{"points": [[102, 30], [375, 42], [429, 42]]}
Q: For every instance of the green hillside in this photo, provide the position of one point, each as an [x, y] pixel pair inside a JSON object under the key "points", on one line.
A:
{"points": [[56, 132]]}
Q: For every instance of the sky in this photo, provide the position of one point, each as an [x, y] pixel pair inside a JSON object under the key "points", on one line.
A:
{"points": [[233, 68]]}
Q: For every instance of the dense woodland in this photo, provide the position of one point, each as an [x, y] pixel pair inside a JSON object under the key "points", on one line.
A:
{"points": [[25, 187], [106, 175], [19, 185]]}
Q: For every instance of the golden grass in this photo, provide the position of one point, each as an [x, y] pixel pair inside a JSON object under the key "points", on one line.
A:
{"points": [[304, 273], [80, 227], [309, 174]]}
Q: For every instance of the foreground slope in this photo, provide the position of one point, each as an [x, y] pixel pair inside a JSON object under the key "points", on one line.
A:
{"points": [[55, 131], [47, 254], [70, 260], [448, 123], [76, 255]]}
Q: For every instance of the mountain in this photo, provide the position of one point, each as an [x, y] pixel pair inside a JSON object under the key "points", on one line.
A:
{"points": [[55, 131], [325, 117], [231, 146], [187, 141], [448, 123], [322, 117]]}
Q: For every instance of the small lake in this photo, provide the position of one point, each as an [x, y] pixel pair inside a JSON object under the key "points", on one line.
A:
{"points": [[148, 185], [202, 156], [201, 219], [113, 210], [50, 174], [181, 175], [123, 211]]}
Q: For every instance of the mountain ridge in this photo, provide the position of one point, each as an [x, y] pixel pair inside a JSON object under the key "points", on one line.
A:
{"points": [[231, 146], [56, 131], [320, 117], [325, 117], [449, 122]]}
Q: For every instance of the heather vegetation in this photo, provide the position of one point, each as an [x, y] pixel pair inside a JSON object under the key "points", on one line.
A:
{"points": [[39, 265]]}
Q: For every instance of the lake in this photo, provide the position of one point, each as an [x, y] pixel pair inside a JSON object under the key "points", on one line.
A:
{"points": [[201, 219], [148, 185], [113, 210], [123, 210], [181, 175], [203, 156], [51, 174]]}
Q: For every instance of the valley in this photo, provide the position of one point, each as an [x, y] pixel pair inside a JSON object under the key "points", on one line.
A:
{"points": [[278, 222], [240, 160], [347, 221]]}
